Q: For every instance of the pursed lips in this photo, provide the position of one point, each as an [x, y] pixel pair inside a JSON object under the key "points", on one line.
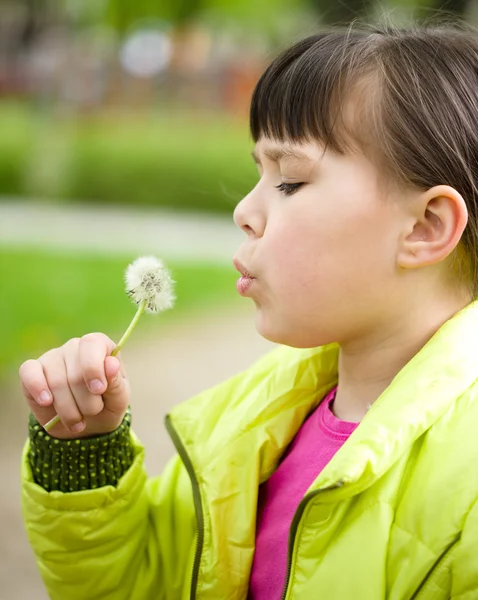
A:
{"points": [[242, 269]]}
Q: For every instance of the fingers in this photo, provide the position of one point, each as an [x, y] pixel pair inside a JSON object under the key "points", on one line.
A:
{"points": [[117, 395], [93, 350], [79, 381], [89, 405], [54, 368], [36, 390], [34, 383], [112, 367], [103, 372], [46, 377]]}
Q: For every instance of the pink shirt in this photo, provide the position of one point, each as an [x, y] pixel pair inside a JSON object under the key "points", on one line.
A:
{"points": [[319, 438]]}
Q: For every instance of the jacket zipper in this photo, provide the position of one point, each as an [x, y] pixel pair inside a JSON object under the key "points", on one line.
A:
{"points": [[295, 525], [197, 503], [200, 516], [432, 569]]}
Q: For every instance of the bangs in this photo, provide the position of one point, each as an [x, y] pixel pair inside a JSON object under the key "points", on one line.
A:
{"points": [[301, 96]]}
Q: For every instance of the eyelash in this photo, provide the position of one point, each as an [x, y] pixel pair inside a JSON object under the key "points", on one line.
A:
{"points": [[288, 188]]}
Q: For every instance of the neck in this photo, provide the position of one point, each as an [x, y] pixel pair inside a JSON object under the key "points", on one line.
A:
{"points": [[367, 366]]}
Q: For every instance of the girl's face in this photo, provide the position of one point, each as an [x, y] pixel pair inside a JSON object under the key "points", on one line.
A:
{"points": [[321, 242]]}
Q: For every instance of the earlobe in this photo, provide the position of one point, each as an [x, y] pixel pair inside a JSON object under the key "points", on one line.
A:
{"points": [[439, 217]]}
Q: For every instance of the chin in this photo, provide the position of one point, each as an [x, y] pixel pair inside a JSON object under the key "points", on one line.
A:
{"points": [[295, 337]]}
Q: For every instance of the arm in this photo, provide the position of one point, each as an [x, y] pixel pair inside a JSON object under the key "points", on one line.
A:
{"points": [[465, 563], [134, 541]]}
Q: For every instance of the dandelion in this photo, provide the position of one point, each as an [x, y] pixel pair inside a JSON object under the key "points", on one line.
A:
{"points": [[147, 280], [149, 285]]}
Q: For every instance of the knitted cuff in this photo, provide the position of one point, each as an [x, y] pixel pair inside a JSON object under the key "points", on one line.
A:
{"points": [[82, 464]]}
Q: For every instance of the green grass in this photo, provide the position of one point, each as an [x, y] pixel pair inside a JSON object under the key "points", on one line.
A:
{"points": [[16, 141], [183, 161], [47, 299]]}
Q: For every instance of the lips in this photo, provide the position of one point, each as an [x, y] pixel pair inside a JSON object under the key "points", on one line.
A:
{"points": [[245, 281], [242, 270]]}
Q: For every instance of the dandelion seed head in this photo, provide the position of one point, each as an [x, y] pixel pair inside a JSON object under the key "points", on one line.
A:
{"points": [[147, 279]]}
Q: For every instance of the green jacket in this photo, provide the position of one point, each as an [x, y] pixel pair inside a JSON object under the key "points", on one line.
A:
{"points": [[394, 514]]}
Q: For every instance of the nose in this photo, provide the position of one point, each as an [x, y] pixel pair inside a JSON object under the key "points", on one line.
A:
{"points": [[250, 216]]}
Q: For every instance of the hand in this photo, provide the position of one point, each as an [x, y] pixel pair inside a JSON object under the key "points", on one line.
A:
{"points": [[82, 383]]}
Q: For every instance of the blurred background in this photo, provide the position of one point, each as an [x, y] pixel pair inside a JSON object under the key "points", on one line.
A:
{"points": [[123, 131]]}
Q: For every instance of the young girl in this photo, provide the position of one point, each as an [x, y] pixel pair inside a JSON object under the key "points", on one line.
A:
{"points": [[343, 464]]}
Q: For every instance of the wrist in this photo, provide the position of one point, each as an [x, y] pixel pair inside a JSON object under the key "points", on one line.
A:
{"points": [[80, 464]]}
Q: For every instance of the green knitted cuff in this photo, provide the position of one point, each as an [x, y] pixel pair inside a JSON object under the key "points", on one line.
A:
{"points": [[83, 464]]}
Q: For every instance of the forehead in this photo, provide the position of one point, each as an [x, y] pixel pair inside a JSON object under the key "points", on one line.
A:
{"points": [[275, 150]]}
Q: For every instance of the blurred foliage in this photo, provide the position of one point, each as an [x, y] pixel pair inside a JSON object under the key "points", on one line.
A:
{"points": [[345, 11], [123, 14], [177, 161], [56, 297]]}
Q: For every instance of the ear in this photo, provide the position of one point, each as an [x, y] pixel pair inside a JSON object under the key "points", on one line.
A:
{"points": [[438, 219]]}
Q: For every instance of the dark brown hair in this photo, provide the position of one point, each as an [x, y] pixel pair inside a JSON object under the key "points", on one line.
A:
{"points": [[414, 99]]}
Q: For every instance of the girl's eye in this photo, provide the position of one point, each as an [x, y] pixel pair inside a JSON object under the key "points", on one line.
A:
{"points": [[288, 188]]}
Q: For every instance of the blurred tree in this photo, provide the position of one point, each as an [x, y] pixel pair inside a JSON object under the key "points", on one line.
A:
{"points": [[25, 19], [455, 7], [122, 14], [343, 12], [33, 22]]}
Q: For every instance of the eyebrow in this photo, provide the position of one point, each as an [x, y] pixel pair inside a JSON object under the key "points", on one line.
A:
{"points": [[275, 154]]}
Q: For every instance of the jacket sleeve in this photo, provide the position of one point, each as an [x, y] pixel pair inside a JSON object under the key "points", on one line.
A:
{"points": [[135, 541], [465, 563]]}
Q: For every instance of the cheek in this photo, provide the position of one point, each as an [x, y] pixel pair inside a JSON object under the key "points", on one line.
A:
{"points": [[290, 251], [296, 270], [307, 258]]}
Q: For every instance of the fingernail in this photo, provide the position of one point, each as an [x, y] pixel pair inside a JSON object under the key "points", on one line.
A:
{"points": [[96, 386], [45, 397], [78, 427]]}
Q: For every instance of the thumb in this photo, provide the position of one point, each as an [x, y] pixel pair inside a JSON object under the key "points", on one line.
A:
{"points": [[117, 394]]}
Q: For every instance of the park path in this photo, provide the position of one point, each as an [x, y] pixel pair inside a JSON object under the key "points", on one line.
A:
{"points": [[167, 366], [112, 230]]}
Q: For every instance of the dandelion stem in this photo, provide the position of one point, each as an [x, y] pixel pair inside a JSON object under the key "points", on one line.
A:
{"points": [[132, 325], [51, 423]]}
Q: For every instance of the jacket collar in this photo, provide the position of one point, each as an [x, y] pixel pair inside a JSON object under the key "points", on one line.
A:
{"points": [[259, 411]]}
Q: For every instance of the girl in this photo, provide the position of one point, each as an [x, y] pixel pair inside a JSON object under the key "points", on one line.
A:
{"points": [[343, 464]]}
